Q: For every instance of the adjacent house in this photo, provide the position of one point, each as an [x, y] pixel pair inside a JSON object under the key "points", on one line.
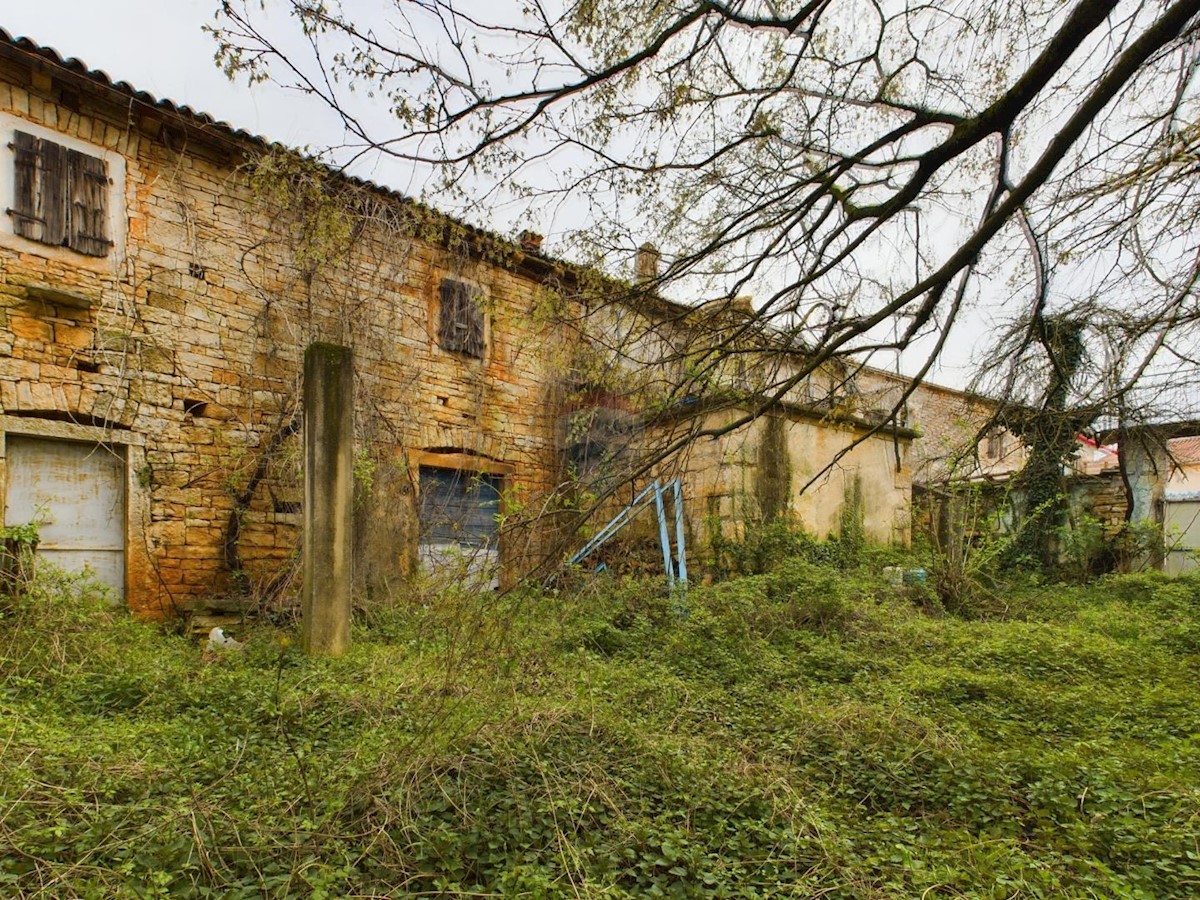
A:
{"points": [[1181, 502]]}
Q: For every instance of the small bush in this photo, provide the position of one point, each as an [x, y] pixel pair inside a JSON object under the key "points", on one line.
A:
{"points": [[766, 546], [813, 596]]}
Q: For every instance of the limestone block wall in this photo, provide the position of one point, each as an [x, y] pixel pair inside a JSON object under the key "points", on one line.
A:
{"points": [[1101, 496], [189, 335], [952, 441], [951, 422]]}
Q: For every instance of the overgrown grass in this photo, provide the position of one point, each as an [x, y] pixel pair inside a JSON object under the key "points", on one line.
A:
{"points": [[805, 732]]}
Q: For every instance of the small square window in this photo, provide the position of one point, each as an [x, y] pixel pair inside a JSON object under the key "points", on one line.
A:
{"points": [[460, 319], [60, 196]]}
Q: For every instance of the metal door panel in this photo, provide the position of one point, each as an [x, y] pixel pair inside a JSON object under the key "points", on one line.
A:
{"points": [[459, 527], [1182, 526], [76, 492]]}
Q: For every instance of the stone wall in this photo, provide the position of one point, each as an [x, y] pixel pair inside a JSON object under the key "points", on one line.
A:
{"points": [[1102, 497], [186, 341], [182, 347], [952, 442]]}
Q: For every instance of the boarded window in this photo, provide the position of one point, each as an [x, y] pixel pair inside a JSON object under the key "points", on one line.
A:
{"points": [[459, 507], [60, 196], [995, 444], [459, 522], [460, 319]]}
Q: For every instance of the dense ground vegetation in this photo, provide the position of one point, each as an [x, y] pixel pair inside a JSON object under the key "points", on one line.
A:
{"points": [[809, 732]]}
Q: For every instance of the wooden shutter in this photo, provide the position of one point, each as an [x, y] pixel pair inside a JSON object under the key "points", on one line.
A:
{"points": [[88, 181], [26, 221], [451, 292], [60, 196], [460, 322], [54, 197]]}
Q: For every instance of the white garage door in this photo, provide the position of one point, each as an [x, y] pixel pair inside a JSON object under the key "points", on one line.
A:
{"points": [[76, 491], [1181, 523]]}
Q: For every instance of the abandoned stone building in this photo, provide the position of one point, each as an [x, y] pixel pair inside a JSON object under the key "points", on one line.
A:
{"points": [[158, 293], [160, 276]]}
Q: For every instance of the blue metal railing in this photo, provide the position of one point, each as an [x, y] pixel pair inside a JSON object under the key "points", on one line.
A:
{"points": [[676, 568]]}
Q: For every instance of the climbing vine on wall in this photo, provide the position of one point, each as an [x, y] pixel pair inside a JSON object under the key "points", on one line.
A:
{"points": [[320, 251], [1049, 431]]}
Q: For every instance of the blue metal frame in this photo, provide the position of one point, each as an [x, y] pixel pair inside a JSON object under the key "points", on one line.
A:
{"points": [[681, 557], [676, 569]]}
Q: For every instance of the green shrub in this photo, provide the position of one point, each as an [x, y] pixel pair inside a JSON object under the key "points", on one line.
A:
{"points": [[808, 595], [765, 546]]}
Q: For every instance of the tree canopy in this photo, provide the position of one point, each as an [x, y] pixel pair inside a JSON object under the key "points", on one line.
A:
{"points": [[883, 176]]}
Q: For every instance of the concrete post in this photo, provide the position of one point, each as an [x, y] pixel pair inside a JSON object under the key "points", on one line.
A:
{"points": [[1146, 465], [328, 498]]}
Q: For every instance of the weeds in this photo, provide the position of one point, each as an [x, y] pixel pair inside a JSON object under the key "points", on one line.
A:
{"points": [[803, 732]]}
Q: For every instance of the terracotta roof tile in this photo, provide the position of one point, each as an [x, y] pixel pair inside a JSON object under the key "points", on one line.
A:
{"points": [[1185, 450]]}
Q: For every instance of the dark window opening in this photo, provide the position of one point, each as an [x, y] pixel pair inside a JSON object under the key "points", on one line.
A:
{"points": [[459, 507], [194, 407], [69, 99], [60, 196], [460, 319], [460, 524], [592, 462]]}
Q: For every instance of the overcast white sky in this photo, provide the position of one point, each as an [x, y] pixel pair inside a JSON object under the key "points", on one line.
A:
{"points": [[158, 46]]}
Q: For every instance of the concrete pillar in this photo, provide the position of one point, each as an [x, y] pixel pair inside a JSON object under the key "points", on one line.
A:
{"points": [[1146, 465], [328, 498]]}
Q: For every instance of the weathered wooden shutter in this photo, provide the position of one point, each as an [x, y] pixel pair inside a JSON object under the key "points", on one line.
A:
{"points": [[60, 196], [54, 198], [88, 180], [453, 295], [460, 324], [26, 221]]}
